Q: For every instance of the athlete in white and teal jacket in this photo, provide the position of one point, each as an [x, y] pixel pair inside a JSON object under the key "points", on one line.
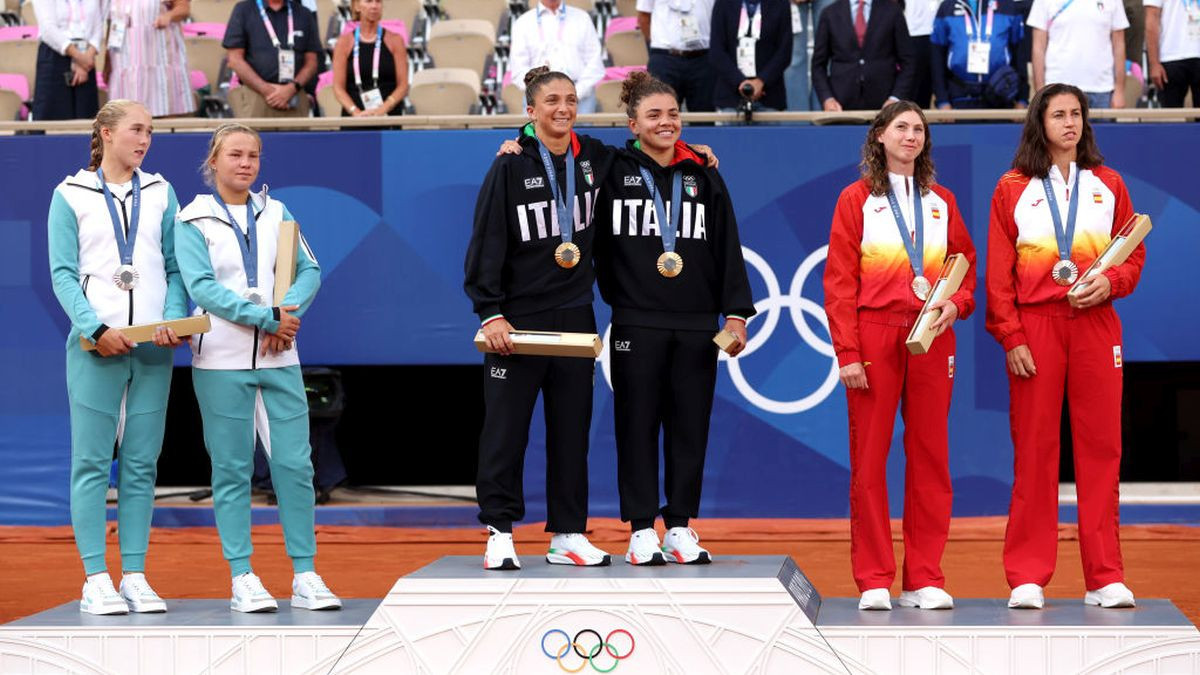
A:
{"points": [[247, 368], [111, 241]]}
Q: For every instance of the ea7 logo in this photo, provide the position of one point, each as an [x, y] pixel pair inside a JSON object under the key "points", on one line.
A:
{"points": [[500, 373], [621, 345], [631, 181], [534, 183]]}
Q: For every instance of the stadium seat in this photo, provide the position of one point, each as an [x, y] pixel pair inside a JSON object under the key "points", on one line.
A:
{"points": [[18, 33], [407, 11], [627, 8], [444, 91], [214, 31], [325, 96], [608, 96], [20, 57], [212, 11], [586, 5], [206, 54], [627, 48], [487, 10], [13, 87], [461, 43], [28, 17]]}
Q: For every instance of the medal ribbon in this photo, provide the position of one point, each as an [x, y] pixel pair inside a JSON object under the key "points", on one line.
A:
{"points": [[125, 242], [566, 221], [1067, 238], [271, 29], [665, 227], [916, 249], [248, 242], [375, 59]]}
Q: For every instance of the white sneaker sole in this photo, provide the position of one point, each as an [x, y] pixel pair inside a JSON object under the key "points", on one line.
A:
{"points": [[880, 606], [578, 560], [301, 602], [1093, 600], [913, 604], [655, 559], [1026, 603], [502, 564], [103, 610], [150, 607], [702, 558], [255, 606]]}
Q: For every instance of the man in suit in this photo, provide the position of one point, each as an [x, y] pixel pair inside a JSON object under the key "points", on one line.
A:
{"points": [[863, 56], [751, 43]]}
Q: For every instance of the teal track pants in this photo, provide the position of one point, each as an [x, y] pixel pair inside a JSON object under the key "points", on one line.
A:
{"points": [[96, 387], [227, 403]]}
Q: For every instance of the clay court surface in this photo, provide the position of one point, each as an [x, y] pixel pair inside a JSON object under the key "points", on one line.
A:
{"points": [[41, 567]]}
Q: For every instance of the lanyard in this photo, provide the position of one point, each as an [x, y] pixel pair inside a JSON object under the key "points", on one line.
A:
{"points": [[125, 242], [916, 249], [750, 23], [248, 242], [977, 25], [566, 223], [1060, 11], [1067, 238], [562, 22], [666, 227], [377, 46], [75, 23], [271, 29]]}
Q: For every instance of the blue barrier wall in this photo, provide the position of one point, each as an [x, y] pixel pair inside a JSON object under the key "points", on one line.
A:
{"points": [[389, 214]]}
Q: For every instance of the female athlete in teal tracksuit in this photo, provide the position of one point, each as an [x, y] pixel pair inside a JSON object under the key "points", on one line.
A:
{"points": [[245, 370], [112, 264]]}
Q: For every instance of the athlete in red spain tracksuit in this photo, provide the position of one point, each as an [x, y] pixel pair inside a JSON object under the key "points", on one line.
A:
{"points": [[871, 309], [1079, 349]]}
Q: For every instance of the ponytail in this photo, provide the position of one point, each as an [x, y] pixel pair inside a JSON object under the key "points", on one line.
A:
{"points": [[108, 118]]}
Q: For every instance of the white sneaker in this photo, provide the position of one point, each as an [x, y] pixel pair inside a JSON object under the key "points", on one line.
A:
{"points": [[310, 592], [1027, 596], [250, 596], [1110, 596], [99, 596], [644, 548], [928, 597], [575, 549], [500, 554], [681, 545], [139, 596], [875, 598]]}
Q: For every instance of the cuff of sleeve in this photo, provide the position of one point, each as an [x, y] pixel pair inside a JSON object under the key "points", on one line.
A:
{"points": [[1013, 341], [275, 313], [961, 305], [486, 320], [735, 317], [1116, 282], [849, 356], [270, 322], [98, 333]]}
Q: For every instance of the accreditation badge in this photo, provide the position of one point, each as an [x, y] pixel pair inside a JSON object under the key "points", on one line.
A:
{"points": [[287, 65], [116, 32], [978, 56], [372, 99]]}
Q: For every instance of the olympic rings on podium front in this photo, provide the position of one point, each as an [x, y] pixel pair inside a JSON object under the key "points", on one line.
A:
{"points": [[588, 655]]}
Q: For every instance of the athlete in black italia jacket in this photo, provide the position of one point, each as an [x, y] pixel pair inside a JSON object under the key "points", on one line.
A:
{"points": [[515, 281], [666, 300]]}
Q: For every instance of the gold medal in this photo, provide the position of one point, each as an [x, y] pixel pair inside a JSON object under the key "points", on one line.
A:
{"points": [[670, 264], [921, 288], [567, 255], [1065, 272]]}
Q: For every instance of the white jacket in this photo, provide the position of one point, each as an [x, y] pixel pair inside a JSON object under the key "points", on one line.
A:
{"points": [[210, 259]]}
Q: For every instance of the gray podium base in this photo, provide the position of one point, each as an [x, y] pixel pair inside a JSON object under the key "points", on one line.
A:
{"points": [[734, 616]]}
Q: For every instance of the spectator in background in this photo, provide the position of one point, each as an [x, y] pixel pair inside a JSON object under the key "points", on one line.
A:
{"points": [[1081, 44], [796, 77], [1135, 35], [273, 47], [563, 38], [862, 57], [678, 32], [1173, 45], [65, 86], [919, 15], [750, 45], [975, 61], [376, 61], [146, 59]]}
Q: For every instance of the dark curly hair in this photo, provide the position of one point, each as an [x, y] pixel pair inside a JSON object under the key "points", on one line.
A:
{"points": [[1033, 154], [538, 77], [638, 85], [874, 158]]}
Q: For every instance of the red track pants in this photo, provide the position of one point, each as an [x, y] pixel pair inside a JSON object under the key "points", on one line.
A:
{"points": [[921, 386], [1080, 350]]}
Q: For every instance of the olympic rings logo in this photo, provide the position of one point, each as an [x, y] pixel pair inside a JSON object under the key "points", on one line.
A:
{"points": [[769, 309], [588, 656]]}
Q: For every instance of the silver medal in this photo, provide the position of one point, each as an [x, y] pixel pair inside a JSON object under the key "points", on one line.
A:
{"points": [[255, 296], [126, 277]]}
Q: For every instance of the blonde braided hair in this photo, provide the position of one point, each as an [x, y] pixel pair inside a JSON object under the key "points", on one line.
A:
{"points": [[108, 118]]}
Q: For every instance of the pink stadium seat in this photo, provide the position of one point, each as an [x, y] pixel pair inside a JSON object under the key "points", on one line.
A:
{"points": [[198, 79], [325, 79], [620, 24], [619, 72], [390, 25], [18, 33], [15, 82], [200, 29]]}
